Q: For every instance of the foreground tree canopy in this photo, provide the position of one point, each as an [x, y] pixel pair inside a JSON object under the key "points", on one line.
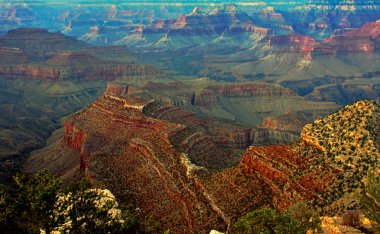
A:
{"points": [[296, 219], [41, 205]]}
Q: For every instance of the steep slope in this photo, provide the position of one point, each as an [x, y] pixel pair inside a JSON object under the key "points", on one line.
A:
{"points": [[161, 160], [193, 29], [246, 103], [53, 56], [50, 76], [341, 68], [144, 161], [32, 109], [93, 36], [361, 40], [327, 166], [199, 22], [39, 44]]}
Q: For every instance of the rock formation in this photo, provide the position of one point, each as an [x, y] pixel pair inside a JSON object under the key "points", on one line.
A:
{"points": [[290, 121], [360, 40], [39, 44], [93, 36], [329, 163], [53, 56], [199, 22], [185, 171], [12, 55], [84, 72], [47, 77], [246, 103], [175, 148], [142, 159]]}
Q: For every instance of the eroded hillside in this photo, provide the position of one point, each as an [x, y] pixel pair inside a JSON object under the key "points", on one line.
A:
{"points": [[328, 165], [189, 174]]}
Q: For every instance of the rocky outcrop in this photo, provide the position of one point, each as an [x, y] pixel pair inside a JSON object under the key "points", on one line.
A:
{"points": [[360, 40], [75, 138], [93, 36], [136, 156], [199, 23], [290, 121], [329, 163], [117, 90], [201, 138], [371, 29], [335, 225], [348, 44], [299, 44], [245, 103], [150, 148], [276, 166], [183, 169]]}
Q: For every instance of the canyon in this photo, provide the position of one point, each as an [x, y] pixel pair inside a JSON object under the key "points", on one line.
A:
{"points": [[41, 84], [46, 76], [137, 148], [195, 113]]}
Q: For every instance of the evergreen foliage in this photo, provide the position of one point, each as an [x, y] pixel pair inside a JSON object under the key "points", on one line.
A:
{"points": [[294, 220], [41, 205], [371, 199]]}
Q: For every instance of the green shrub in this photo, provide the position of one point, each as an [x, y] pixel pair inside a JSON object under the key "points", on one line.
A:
{"points": [[268, 221], [40, 204], [302, 213]]}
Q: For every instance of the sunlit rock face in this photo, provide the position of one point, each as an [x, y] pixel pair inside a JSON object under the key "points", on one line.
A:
{"points": [[179, 149], [45, 76], [146, 155], [77, 19], [39, 54], [327, 165], [103, 22], [162, 151]]}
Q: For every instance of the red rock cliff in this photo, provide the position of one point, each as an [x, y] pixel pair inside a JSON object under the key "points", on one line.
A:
{"points": [[82, 72], [75, 138]]}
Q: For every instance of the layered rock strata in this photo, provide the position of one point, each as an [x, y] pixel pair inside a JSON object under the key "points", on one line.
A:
{"points": [[329, 163]]}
